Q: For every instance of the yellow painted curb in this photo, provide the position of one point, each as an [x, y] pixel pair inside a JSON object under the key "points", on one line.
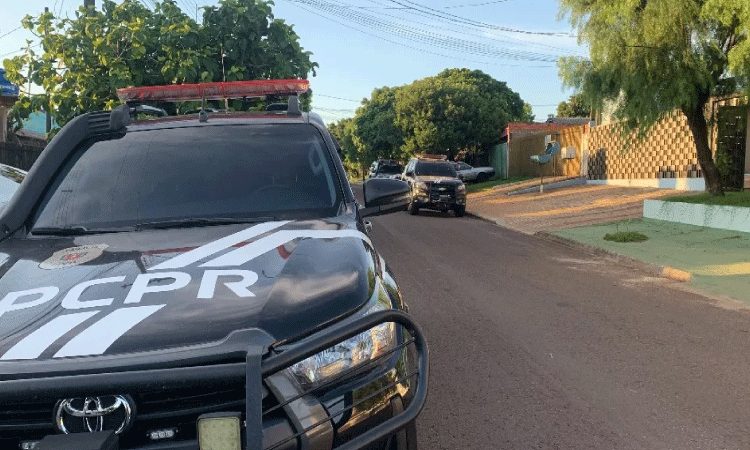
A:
{"points": [[675, 274]]}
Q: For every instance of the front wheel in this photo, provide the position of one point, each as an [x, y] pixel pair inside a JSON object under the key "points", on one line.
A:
{"points": [[482, 177], [413, 209], [405, 439], [460, 211]]}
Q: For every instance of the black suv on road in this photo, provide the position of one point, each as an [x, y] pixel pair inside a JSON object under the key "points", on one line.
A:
{"points": [[434, 185], [204, 281]]}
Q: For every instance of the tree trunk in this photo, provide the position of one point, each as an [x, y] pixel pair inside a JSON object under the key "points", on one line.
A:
{"points": [[697, 122]]}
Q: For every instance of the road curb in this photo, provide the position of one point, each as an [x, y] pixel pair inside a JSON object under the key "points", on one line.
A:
{"points": [[650, 268], [486, 219], [551, 186]]}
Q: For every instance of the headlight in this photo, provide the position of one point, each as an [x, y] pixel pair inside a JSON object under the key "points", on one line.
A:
{"points": [[422, 186], [461, 188], [326, 365]]}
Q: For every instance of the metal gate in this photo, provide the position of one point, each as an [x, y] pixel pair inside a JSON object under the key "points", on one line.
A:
{"points": [[730, 145]]}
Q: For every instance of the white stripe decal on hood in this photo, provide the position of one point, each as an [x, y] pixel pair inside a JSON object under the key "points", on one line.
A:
{"points": [[214, 247], [32, 346], [250, 251], [97, 338]]}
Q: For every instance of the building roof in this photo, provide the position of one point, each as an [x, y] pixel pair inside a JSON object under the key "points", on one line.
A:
{"points": [[569, 120], [531, 127], [30, 134]]}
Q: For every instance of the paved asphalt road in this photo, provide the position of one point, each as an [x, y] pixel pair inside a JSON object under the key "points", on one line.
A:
{"points": [[538, 346]]}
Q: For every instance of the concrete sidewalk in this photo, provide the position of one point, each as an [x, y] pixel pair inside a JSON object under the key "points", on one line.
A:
{"points": [[718, 260], [562, 208], [714, 261]]}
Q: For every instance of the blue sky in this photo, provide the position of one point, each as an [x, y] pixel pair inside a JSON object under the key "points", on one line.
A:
{"points": [[365, 44]]}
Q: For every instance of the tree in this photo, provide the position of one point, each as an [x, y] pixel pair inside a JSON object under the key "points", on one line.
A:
{"points": [[459, 109], [576, 106], [343, 132], [652, 57], [353, 157], [377, 131], [255, 45], [87, 58]]}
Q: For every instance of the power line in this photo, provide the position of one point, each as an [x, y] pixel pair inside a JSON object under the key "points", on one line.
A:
{"points": [[475, 4], [337, 98], [11, 31], [427, 37], [19, 50], [59, 12], [294, 2], [445, 20], [525, 41], [334, 110], [462, 20]]}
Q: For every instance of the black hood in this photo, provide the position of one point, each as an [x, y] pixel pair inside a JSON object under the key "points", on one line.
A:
{"points": [[120, 293]]}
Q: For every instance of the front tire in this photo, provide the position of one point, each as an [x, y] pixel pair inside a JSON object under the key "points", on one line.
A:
{"points": [[460, 211], [406, 439], [413, 208], [481, 177]]}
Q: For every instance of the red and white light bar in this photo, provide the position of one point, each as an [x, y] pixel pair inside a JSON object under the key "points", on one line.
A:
{"points": [[213, 91]]}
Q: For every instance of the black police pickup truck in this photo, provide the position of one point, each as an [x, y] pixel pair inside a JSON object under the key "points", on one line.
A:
{"points": [[434, 185], [201, 282]]}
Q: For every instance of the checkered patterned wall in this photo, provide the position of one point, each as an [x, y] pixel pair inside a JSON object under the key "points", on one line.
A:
{"points": [[668, 151]]}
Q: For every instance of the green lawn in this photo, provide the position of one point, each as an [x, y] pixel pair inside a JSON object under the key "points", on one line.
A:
{"points": [[729, 199], [486, 185]]}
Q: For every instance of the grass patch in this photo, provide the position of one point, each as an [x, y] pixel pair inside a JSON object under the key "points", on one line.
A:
{"points": [[487, 185], [626, 236], [729, 199]]}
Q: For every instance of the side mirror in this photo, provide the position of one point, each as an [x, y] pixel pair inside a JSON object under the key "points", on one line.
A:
{"points": [[384, 196]]}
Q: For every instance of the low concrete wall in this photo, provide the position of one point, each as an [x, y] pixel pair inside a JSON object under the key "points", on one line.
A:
{"points": [[722, 217], [680, 184]]}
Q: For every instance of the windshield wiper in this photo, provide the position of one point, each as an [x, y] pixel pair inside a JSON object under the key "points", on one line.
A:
{"points": [[75, 231], [201, 222]]}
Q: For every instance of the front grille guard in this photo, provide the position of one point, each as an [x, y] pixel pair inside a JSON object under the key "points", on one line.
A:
{"points": [[253, 371], [282, 361]]}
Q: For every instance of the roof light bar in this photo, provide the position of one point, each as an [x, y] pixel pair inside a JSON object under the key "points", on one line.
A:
{"points": [[213, 91]]}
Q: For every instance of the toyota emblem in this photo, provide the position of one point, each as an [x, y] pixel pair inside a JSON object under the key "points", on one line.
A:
{"points": [[91, 414]]}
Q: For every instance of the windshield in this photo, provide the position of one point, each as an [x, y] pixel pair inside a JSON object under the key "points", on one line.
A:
{"points": [[437, 169], [279, 171], [390, 169]]}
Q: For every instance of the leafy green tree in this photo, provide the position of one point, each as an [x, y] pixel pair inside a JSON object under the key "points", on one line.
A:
{"points": [[255, 45], [85, 59], [354, 157], [528, 114], [652, 57], [459, 109], [576, 106], [377, 132], [343, 131]]}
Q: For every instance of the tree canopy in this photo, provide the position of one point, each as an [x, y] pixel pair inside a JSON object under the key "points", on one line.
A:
{"points": [[576, 106], [651, 57], [456, 110], [85, 59], [377, 130], [459, 109]]}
